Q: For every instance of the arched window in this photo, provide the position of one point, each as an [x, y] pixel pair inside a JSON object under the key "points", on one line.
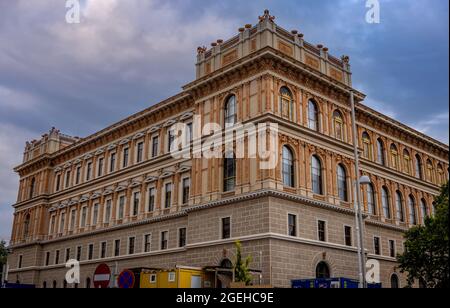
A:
{"points": [[367, 146], [412, 210], [26, 226], [440, 174], [394, 282], [406, 162], [88, 283], [423, 210], [394, 157], [226, 263], [230, 111], [399, 206], [418, 167], [54, 284], [385, 202], [32, 187], [430, 171], [433, 209], [338, 121], [288, 167], [371, 203], [322, 271], [229, 172], [44, 285], [313, 116], [286, 103], [342, 183], [316, 175], [381, 154]]}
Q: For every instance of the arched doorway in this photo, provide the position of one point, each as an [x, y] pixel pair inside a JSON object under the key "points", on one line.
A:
{"points": [[322, 271], [394, 282], [88, 283]]}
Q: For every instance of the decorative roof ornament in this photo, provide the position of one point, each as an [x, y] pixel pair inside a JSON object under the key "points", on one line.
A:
{"points": [[201, 50], [266, 16], [345, 59]]}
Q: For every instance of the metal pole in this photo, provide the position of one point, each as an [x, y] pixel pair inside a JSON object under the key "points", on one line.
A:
{"points": [[358, 241], [358, 195]]}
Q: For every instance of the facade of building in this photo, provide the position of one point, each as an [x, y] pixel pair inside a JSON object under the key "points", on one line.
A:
{"points": [[118, 196]]}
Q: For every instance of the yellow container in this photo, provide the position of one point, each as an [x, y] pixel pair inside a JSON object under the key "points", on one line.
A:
{"points": [[180, 277]]}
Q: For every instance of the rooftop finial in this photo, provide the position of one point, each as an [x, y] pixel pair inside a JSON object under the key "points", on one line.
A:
{"points": [[266, 16]]}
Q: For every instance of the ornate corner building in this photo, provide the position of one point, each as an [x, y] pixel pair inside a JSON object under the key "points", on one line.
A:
{"points": [[118, 196]]}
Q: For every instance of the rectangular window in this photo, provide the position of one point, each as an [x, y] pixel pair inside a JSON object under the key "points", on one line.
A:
{"points": [[67, 179], [186, 190], [83, 217], [117, 248], [189, 136], [170, 139], [131, 245], [155, 146], [78, 175], [100, 167], [52, 225], [168, 196], [73, 214], [121, 207], [112, 163], [108, 211], [348, 236], [140, 152], [95, 214], [171, 277], [321, 226], [164, 240], [147, 242], [182, 237], [67, 254], [151, 199], [376, 246], [62, 222], [90, 251], [47, 258], [79, 250], [292, 225], [19, 263], [58, 182], [103, 250], [392, 252], [126, 157], [226, 228], [89, 172], [136, 200], [57, 257]]}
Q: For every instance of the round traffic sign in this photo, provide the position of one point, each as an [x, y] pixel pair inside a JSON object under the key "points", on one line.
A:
{"points": [[126, 280], [102, 276]]}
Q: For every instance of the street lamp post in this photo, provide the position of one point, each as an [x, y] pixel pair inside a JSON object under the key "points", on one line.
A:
{"points": [[357, 199]]}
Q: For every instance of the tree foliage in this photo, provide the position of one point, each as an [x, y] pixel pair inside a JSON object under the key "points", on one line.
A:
{"points": [[3, 254], [241, 267], [426, 256]]}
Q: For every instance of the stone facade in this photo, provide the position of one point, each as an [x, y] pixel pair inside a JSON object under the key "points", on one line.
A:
{"points": [[81, 192]]}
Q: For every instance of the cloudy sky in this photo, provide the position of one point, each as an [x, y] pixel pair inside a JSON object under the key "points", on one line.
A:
{"points": [[127, 55]]}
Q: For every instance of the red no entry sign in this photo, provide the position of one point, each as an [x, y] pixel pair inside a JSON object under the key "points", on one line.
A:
{"points": [[102, 276]]}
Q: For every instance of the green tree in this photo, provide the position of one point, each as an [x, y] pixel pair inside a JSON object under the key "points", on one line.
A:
{"points": [[241, 267], [426, 253]]}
